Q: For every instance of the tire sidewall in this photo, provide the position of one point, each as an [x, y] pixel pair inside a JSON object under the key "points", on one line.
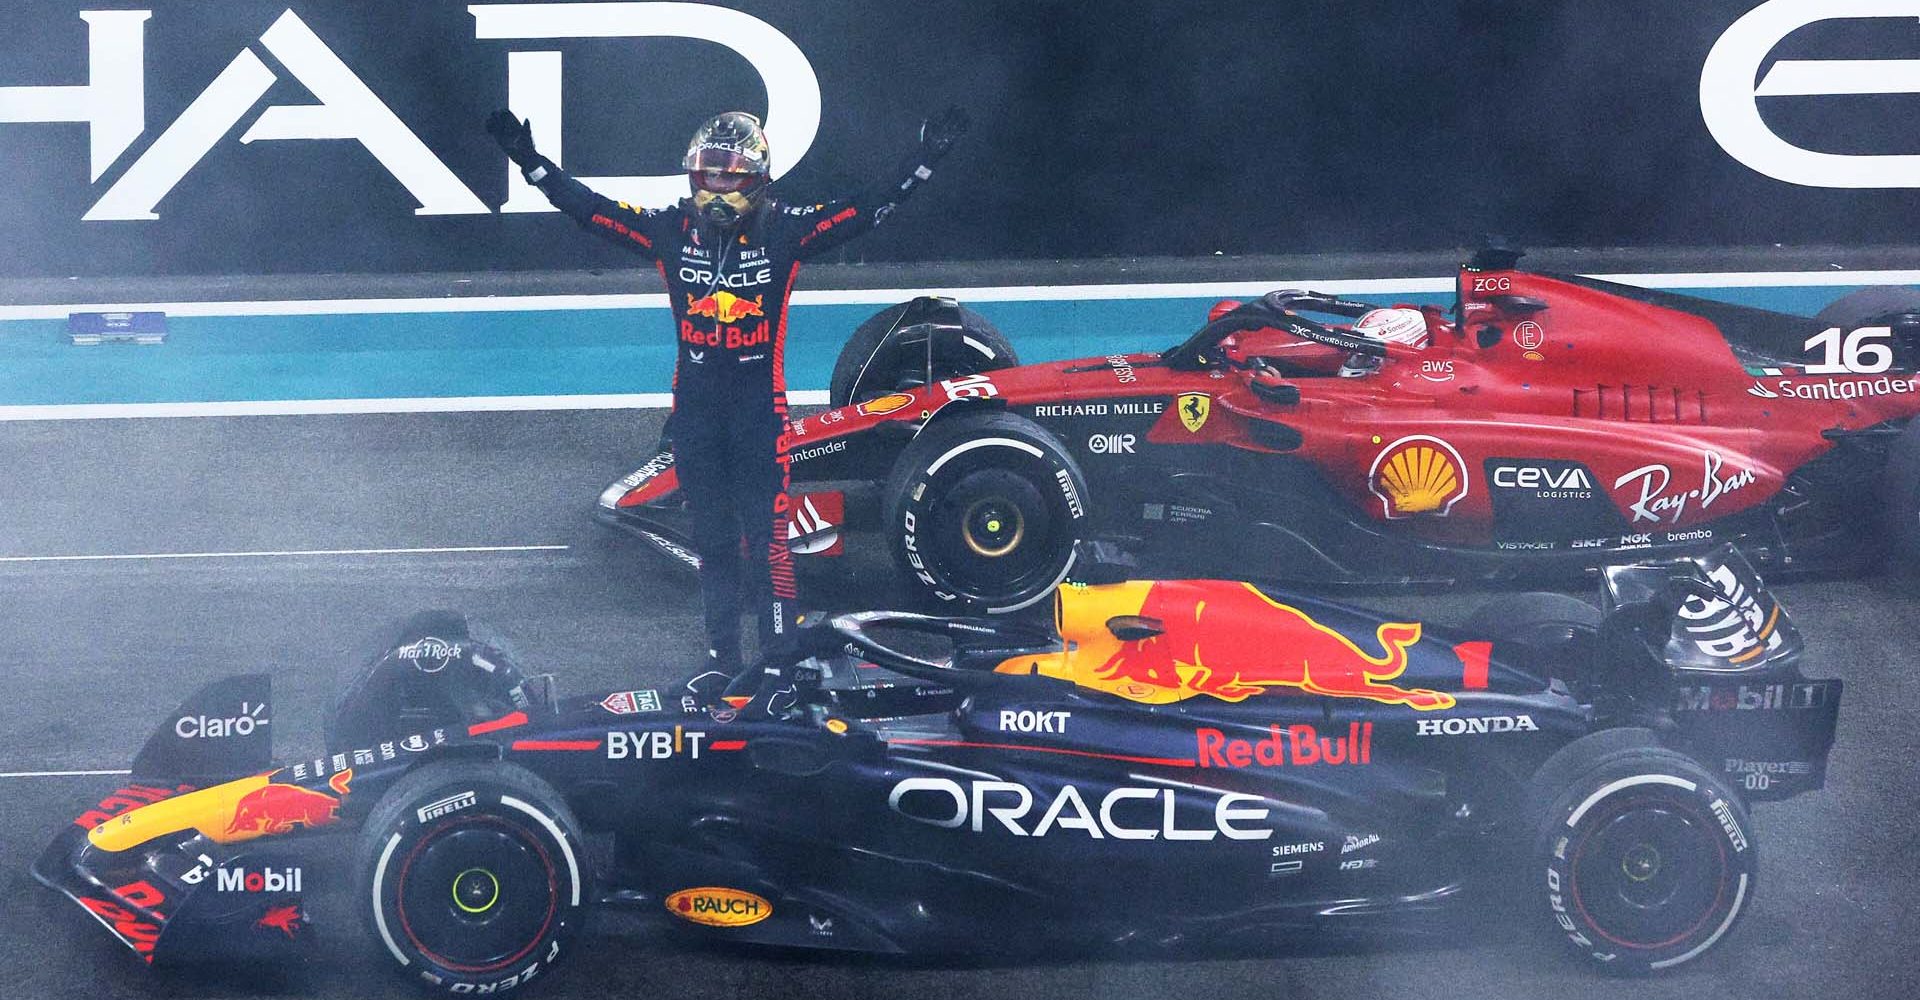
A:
{"points": [[454, 793], [928, 467], [869, 341], [1635, 775]]}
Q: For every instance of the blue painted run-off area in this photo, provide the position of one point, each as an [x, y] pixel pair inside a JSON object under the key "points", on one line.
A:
{"points": [[541, 353]]}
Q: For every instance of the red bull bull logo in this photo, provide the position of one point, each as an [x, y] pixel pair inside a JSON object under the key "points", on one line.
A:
{"points": [[286, 919], [276, 809], [724, 306], [1223, 639]]}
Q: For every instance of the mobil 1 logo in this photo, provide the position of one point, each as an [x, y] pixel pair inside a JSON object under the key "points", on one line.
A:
{"points": [[1543, 504]]}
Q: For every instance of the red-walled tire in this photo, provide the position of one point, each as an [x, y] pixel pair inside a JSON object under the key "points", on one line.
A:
{"points": [[473, 877], [1644, 860]]}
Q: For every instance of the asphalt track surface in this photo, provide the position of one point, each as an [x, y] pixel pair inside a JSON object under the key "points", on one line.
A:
{"points": [[95, 652]]}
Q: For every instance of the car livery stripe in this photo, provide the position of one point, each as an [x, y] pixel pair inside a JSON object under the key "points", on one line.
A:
{"points": [[727, 745], [495, 725], [1158, 761], [556, 744]]}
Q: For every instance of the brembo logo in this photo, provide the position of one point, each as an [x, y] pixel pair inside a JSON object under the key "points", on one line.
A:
{"points": [[1730, 100], [112, 103]]}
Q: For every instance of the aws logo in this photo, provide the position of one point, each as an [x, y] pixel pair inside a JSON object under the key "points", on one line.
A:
{"points": [[1730, 100], [1418, 475]]}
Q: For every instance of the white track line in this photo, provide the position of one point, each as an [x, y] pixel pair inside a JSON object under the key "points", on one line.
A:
{"points": [[887, 296], [333, 407], [287, 554], [56, 774]]}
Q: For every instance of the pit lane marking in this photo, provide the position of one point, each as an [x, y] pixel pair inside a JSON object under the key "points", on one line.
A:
{"points": [[289, 553], [57, 774], [348, 407]]}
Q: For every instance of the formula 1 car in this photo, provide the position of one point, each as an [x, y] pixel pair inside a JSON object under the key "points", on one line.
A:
{"points": [[1548, 425], [1259, 766]]}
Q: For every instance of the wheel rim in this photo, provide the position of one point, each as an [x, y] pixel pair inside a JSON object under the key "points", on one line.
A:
{"points": [[993, 527], [1649, 874], [995, 533], [477, 894]]}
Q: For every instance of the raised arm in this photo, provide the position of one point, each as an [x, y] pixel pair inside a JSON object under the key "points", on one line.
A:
{"points": [[633, 228], [819, 228]]}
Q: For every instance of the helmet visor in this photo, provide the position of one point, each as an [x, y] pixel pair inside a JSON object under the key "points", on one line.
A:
{"points": [[725, 182]]}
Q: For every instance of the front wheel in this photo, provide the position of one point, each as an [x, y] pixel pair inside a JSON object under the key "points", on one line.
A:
{"points": [[983, 511], [473, 878], [1646, 860], [891, 351]]}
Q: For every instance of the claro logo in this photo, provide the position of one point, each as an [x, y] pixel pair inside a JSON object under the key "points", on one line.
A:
{"points": [[1730, 100], [112, 103]]}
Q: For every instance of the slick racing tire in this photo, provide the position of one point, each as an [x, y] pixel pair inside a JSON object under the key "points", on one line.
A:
{"points": [[1644, 860], [1869, 307], [1900, 502], [473, 877], [870, 365], [1542, 620], [982, 513]]}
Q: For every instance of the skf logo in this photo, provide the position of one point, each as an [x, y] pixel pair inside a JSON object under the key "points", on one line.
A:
{"points": [[1418, 475], [1194, 409], [113, 101], [715, 906], [724, 307], [1730, 101]]}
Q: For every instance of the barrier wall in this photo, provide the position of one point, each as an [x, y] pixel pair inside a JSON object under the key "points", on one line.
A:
{"points": [[321, 136]]}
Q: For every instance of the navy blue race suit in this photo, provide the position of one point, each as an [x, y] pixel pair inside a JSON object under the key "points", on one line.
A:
{"points": [[729, 290]]}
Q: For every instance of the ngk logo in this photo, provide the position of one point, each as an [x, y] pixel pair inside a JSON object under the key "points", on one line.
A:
{"points": [[112, 103], [261, 880]]}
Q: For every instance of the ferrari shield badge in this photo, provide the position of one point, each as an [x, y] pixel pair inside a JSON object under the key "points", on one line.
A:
{"points": [[1194, 408]]}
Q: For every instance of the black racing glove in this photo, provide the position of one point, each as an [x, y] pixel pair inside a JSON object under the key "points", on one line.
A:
{"points": [[515, 137], [939, 132]]}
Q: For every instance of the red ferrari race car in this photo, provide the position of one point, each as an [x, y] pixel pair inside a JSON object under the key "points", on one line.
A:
{"points": [[1544, 426]]}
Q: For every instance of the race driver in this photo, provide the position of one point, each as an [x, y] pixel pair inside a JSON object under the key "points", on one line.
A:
{"points": [[729, 255]]}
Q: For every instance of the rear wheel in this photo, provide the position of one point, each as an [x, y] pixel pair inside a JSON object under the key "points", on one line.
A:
{"points": [[1645, 858], [473, 876], [888, 352], [1900, 502], [1545, 621], [983, 512]]}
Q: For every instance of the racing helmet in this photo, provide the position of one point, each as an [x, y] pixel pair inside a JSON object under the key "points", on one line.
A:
{"points": [[728, 164], [1399, 326]]}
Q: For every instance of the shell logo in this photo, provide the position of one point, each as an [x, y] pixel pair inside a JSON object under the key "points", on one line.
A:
{"points": [[884, 405], [715, 906], [1418, 475]]}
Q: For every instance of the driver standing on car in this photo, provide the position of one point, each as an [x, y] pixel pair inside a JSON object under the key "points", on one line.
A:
{"points": [[729, 255]]}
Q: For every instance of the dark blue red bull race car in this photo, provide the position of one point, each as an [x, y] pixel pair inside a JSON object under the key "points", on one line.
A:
{"points": [[1262, 766]]}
